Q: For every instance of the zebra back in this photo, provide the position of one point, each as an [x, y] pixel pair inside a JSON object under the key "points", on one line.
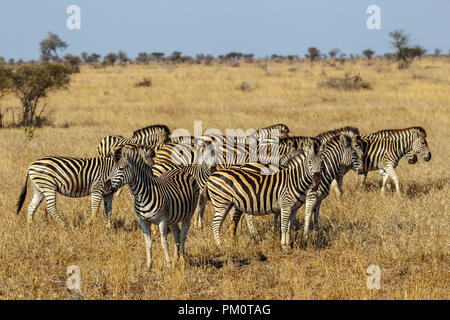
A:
{"points": [[72, 177]]}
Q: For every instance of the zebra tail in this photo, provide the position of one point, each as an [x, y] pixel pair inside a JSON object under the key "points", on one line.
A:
{"points": [[22, 195]]}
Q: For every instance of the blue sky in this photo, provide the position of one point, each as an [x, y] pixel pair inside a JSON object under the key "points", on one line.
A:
{"points": [[216, 27]]}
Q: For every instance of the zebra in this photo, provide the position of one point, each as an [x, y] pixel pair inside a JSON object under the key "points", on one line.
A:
{"points": [[251, 192], [411, 157], [201, 174], [383, 154], [325, 136], [151, 135], [268, 151], [71, 177], [342, 150], [164, 200]]}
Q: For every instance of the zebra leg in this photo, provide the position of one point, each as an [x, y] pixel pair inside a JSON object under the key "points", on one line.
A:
{"points": [[34, 204], [200, 210], [183, 235], [287, 216], [96, 198], [391, 172], [250, 225], [164, 242], [316, 215], [385, 177], [176, 238], [50, 196], [236, 216], [336, 184], [310, 202], [145, 226], [107, 201], [218, 219], [275, 222]]}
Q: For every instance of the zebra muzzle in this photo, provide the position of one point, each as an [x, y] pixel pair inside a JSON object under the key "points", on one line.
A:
{"points": [[317, 176], [428, 157], [108, 189]]}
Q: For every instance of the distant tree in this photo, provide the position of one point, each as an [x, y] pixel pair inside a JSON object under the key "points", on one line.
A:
{"points": [[248, 57], [85, 57], [143, 57], [123, 57], [333, 53], [5, 85], [2, 60], [368, 53], [49, 47], [416, 51], [73, 62], [233, 56], [400, 41], [313, 54], [437, 52], [31, 83], [158, 55], [110, 59], [175, 56]]}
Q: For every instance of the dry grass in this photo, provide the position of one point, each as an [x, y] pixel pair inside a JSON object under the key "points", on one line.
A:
{"points": [[406, 237]]}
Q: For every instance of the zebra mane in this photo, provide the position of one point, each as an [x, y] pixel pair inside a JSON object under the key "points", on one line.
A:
{"points": [[419, 129], [327, 135], [297, 141], [161, 127]]}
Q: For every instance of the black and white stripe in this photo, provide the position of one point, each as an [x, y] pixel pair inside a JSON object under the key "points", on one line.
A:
{"points": [[152, 135], [342, 150], [164, 200], [71, 177], [384, 154], [251, 192]]}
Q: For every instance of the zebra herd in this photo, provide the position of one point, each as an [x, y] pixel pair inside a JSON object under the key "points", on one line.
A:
{"points": [[267, 171]]}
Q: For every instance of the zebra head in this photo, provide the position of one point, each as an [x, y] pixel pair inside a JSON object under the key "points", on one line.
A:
{"points": [[411, 157], [313, 151], [127, 158], [420, 145], [353, 153]]}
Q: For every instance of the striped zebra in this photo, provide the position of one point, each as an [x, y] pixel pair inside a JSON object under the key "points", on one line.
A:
{"points": [[342, 150], [384, 154], [164, 200], [325, 136], [151, 135], [71, 177], [411, 157], [251, 192], [268, 151]]}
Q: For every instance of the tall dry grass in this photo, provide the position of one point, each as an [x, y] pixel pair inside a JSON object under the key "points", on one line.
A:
{"points": [[406, 237]]}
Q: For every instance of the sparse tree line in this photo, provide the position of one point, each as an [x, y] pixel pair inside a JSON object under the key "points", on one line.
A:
{"points": [[31, 81]]}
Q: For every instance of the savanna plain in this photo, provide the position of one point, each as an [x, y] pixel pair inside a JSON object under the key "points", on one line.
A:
{"points": [[406, 236]]}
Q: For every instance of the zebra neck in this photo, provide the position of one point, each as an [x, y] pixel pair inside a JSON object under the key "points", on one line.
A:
{"points": [[332, 165], [143, 184], [402, 146]]}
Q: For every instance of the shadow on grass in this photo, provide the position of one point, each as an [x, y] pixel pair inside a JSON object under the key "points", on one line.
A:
{"points": [[218, 263], [417, 189]]}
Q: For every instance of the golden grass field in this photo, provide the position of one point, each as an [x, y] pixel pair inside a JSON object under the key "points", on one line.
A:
{"points": [[407, 236]]}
